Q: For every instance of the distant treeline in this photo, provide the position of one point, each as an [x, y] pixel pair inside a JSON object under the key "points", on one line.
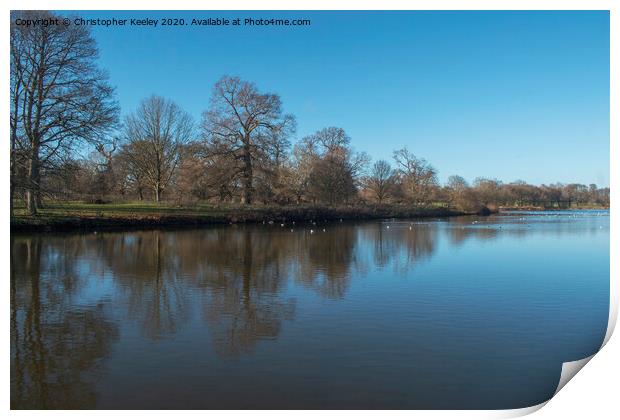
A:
{"points": [[68, 143]]}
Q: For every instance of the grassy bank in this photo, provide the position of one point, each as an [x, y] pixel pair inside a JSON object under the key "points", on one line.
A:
{"points": [[556, 208], [79, 216]]}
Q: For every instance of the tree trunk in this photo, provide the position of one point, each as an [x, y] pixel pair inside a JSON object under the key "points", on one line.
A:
{"points": [[12, 192], [31, 205], [32, 191], [13, 167], [37, 195], [247, 177]]}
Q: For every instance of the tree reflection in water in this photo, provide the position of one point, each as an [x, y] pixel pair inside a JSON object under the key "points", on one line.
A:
{"points": [[325, 260], [147, 269], [67, 292], [243, 274], [57, 345], [399, 245]]}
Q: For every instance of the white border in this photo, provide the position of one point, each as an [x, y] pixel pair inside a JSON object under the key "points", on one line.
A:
{"points": [[596, 385]]}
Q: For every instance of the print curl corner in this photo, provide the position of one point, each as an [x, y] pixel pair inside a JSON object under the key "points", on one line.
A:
{"points": [[570, 369], [613, 311], [520, 412], [505, 414]]}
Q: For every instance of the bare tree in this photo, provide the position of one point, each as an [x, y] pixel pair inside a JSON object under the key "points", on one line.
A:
{"points": [[330, 140], [461, 195], [155, 133], [381, 180], [247, 126], [103, 161], [331, 181], [17, 77], [296, 173], [417, 176], [336, 168], [488, 190], [59, 96], [457, 183]]}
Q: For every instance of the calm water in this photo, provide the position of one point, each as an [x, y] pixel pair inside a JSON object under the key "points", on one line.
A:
{"points": [[462, 313]]}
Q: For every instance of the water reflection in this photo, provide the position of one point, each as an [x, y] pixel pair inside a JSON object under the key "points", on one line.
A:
{"points": [[325, 260], [146, 268], [73, 297], [400, 245], [56, 343], [241, 281]]}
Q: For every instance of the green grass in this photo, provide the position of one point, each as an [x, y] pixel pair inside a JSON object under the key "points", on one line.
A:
{"points": [[138, 208], [79, 215]]}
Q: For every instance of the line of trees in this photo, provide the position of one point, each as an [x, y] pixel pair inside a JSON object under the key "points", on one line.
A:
{"points": [[59, 99], [239, 152]]}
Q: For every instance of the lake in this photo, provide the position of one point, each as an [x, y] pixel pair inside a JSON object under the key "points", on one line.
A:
{"points": [[459, 313]]}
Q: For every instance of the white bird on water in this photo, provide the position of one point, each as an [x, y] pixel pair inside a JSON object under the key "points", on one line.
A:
{"points": [[311, 231]]}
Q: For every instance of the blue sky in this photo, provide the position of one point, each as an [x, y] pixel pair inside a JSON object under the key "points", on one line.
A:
{"points": [[509, 95]]}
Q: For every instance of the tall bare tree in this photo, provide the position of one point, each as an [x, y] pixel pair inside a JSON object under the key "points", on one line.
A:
{"points": [[418, 177], [461, 195], [59, 96], [488, 190], [336, 168], [16, 89], [297, 171], [105, 173], [155, 134], [247, 126], [381, 180]]}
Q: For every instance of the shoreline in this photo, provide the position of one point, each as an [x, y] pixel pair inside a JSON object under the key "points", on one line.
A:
{"points": [[254, 215], [534, 208], [130, 218]]}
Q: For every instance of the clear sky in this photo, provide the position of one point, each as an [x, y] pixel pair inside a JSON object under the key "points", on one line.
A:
{"points": [[508, 95]]}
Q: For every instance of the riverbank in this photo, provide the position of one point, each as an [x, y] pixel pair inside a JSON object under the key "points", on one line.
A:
{"points": [[78, 216], [542, 208]]}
